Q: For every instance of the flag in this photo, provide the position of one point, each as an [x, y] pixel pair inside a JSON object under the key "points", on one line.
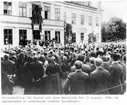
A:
{"points": [[36, 16], [40, 19], [33, 15]]}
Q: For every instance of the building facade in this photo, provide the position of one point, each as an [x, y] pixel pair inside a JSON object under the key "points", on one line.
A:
{"points": [[15, 22]]}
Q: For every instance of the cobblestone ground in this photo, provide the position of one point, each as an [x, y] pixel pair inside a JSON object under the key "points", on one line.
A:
{"points": [[18, 90]]}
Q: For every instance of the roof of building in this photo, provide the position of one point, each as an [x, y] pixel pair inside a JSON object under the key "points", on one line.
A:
{"points": [[81, 5]]}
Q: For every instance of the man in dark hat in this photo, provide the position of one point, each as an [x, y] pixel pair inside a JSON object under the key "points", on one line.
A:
{"points": [[99, 78], [77, 81], [116, 75]]}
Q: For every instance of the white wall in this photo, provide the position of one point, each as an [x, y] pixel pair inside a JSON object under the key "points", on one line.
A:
{"points": [[29, 34], [1, 7], [76, 27], [15, 36], [1, 37], [15, 22], [62, 37]]}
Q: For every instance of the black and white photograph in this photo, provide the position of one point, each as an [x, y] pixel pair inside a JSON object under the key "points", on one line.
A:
{"points": [[63, 47]]}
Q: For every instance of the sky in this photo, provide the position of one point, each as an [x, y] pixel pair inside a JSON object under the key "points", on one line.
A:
{"points": [[113, 9]]}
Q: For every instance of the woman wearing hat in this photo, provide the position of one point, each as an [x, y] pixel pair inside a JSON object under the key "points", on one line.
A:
{"points": [[52, 84]]}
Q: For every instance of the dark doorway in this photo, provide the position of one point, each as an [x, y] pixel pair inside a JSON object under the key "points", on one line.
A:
{"points": [[36, 34]]}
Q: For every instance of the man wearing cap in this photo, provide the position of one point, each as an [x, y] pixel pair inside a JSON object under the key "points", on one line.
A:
{"points": [[99, 78], [116, 75], [85, 67], [77, 81], [106, 62]]}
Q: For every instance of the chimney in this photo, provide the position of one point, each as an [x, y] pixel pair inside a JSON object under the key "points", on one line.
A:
{"points": [[99, 6]]}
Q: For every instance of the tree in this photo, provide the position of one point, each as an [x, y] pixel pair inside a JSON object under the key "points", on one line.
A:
{"points": [[104, 33], [67, 33], [113, 30]]}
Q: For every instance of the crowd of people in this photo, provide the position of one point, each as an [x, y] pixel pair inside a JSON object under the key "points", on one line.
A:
{"points": [[70, 69]]}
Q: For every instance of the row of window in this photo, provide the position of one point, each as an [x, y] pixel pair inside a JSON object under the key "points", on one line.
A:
{"points": [[47, 35], [82, 19], [23, 10], [8, 36], [47, 13], [81, 37], [74, 37], [36, 35]]}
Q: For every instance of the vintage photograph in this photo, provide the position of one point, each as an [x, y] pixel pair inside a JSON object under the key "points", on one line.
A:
{"points": [[63, 47]]}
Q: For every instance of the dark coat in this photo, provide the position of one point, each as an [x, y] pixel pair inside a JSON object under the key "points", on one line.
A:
{"points": [[65, 70], [99, 79], [124, 68], [7, 68], [124, 75], [19, 64], [106, 65], [19, 67], [88, 69], [93, 67], [116, 78], [52, 84], [53, 69], [26, 76], [77, 81], [36, 69], [65, 67]]}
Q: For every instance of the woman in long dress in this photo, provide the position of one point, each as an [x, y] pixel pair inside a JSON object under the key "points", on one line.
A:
{"points": [[51, 83]]}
